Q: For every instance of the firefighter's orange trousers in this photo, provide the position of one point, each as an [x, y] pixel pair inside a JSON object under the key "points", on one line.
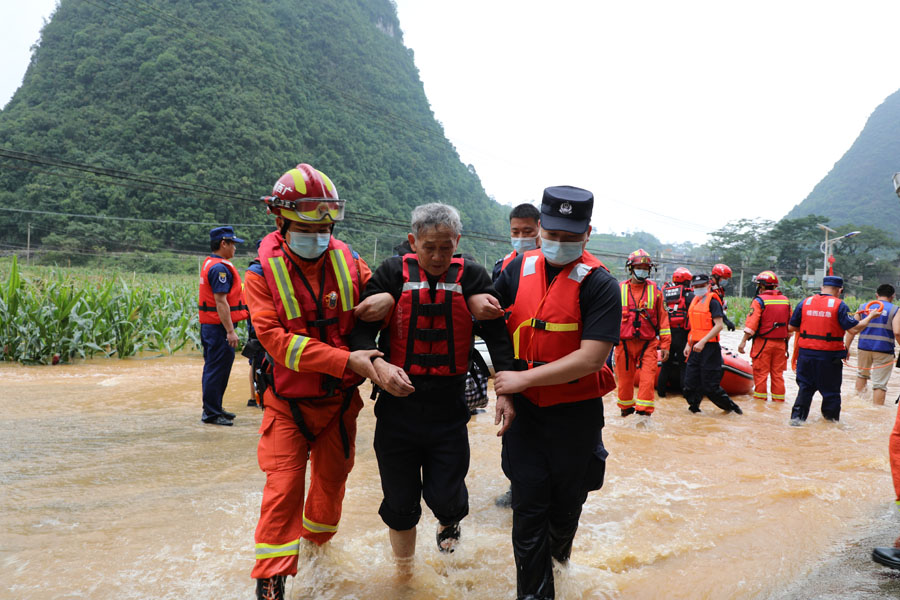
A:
{"points": [[282, 455], [769, 359], [630, 354]]}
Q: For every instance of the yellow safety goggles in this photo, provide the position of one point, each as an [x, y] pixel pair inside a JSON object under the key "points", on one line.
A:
{"points": [[310, 210]]}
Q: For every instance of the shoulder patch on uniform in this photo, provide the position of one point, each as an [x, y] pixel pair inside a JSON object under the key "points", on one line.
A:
{"points": [[223, 277]]}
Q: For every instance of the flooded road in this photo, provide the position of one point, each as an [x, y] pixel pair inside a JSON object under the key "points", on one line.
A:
{"points": [[112, 488]]}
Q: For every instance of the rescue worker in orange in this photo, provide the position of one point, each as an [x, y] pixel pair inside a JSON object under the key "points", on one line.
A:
{"points": [[302, 296], [767, 326], [719, 278], [677, 296], [221, 306], [644, 329], [421, 439], [703, 374], [564, 319]]}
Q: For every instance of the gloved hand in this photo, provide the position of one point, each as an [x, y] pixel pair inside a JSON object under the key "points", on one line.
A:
{"points": [[728, 323]]}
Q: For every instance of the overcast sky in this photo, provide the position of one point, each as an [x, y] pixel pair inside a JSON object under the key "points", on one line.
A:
{"points": [[679, 116]]}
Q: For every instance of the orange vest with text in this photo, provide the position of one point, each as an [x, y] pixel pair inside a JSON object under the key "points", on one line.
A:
{"points": [[235, 296], [819, 326], [545, 325]]}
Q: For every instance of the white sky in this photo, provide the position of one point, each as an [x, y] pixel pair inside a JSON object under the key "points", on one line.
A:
{"points": [[679, 116]]}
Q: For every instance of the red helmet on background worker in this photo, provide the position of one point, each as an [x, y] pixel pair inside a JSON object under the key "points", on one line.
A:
{"points": [[681, 275], [767, 279], [721, 270], [639, 264], [307, 195]]}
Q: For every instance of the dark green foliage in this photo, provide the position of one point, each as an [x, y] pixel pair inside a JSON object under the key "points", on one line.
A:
{"points": [[226, 94], [858, 188]]}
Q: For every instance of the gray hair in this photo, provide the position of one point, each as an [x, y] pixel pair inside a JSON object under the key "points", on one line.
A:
{"points": [[434, 215]]}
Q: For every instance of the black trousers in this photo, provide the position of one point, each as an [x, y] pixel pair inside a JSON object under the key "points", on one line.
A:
{"points": [[671, 372], [702, 377], [823, 375], [553, 456], [422, 448]]}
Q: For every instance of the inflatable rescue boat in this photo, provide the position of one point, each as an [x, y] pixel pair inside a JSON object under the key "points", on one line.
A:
{"points": [[737, 374]]}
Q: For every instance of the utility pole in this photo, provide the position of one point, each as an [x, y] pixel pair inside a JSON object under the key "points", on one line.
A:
{"points": [[375, 253], [28, 247], [741, 289]]}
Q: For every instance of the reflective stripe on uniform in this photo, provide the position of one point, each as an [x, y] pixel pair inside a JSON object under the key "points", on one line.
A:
{"points": [[768, 302], [415, 285], [294, 350], [546, 326], [761, 395], [648, 403], [453, 288], [285, 287], [528, 268], [626, 403], [665, 331], [777, 396], [264, 551], [342, 272], [317, 527]]}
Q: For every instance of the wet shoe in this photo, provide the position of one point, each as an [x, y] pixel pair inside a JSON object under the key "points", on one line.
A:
{"points": [[217, 421], [693, 409], [737, 409], [627, 411], [271, 588], [252, 402], [228, 415], [795, 422], [447, 538], [504, 500], [889, 557]]}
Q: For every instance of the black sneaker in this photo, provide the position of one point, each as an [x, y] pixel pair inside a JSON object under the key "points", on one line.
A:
{"points": [[270, 588], [220, 420], [504, 500], [252, 402], [627, 411], [736, 409], [693, 409], [228, 415]]}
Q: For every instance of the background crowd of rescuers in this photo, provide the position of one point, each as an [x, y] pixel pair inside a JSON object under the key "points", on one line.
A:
{"points": [[326, 323]]}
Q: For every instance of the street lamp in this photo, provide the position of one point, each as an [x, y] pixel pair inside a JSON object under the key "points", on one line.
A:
{"points": [[826, 246]]}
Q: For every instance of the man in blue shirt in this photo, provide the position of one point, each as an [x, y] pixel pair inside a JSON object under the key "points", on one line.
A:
{"points": [[221, 305], [821, 321]]}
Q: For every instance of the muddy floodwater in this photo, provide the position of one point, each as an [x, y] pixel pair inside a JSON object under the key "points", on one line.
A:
{"points": [[112, 488]]}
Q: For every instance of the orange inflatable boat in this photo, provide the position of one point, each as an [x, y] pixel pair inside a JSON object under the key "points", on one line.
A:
{"points": [[737, 374]]}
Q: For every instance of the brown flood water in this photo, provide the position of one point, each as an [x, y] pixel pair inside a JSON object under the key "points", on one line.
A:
{"points": [[112, 488]]}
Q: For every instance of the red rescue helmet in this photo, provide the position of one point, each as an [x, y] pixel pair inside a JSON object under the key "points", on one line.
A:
{"points": [[721, 270], [767, 278], [307, 195], [639, 258], [681, 275]]}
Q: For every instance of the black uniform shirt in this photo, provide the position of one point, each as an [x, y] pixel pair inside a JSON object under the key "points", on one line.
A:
{"points": [[474, 280], [601, 306]]}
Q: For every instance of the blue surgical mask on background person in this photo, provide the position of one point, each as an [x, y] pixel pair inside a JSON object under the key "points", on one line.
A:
{"points": [[524, 244], [700, 292], [309, 245], [561, 253], [641, 274]]}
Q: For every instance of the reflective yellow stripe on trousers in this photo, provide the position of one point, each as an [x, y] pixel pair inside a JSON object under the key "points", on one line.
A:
{"points": [[317, 527], [264, 551]]}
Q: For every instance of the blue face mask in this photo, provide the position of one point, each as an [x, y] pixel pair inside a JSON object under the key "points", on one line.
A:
{"points": [[309, 245], [561, 253], [524, 244], [700, 292], [641, 274]]}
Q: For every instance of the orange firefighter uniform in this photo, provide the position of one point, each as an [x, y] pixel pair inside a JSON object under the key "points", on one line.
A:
{"points": [[279, 299], [767, 323], [645, 328]]}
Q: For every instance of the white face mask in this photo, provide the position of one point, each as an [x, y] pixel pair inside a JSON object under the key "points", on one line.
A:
{"points": [[309, 245], [641, 274], [701, 291], [523, 244], [561, 253]]}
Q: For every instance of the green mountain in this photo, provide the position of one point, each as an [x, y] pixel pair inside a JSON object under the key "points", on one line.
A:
{"points": [[858, 188], [187, 111]]}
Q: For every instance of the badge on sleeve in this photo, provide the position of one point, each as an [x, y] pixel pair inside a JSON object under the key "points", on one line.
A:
{"points": [[332, 300], [223, 277]]}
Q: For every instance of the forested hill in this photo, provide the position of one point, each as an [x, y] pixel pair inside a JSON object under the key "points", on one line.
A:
{"points": [[858, 188], [189, 110]]}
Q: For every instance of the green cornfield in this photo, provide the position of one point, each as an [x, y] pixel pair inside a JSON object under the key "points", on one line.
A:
{"points": [[52, 315]]}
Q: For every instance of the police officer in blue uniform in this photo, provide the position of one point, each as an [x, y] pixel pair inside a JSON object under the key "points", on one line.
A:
{"points": [[821, 321], [221, 305]]}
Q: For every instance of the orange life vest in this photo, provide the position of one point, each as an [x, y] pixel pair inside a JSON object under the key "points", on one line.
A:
{"points": [[235, 296], [773, 324], [431, 335], [819, 326], [328, 318], [545, 325], [700, 318], [639, 318], [673, 295], [508, 259]]}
